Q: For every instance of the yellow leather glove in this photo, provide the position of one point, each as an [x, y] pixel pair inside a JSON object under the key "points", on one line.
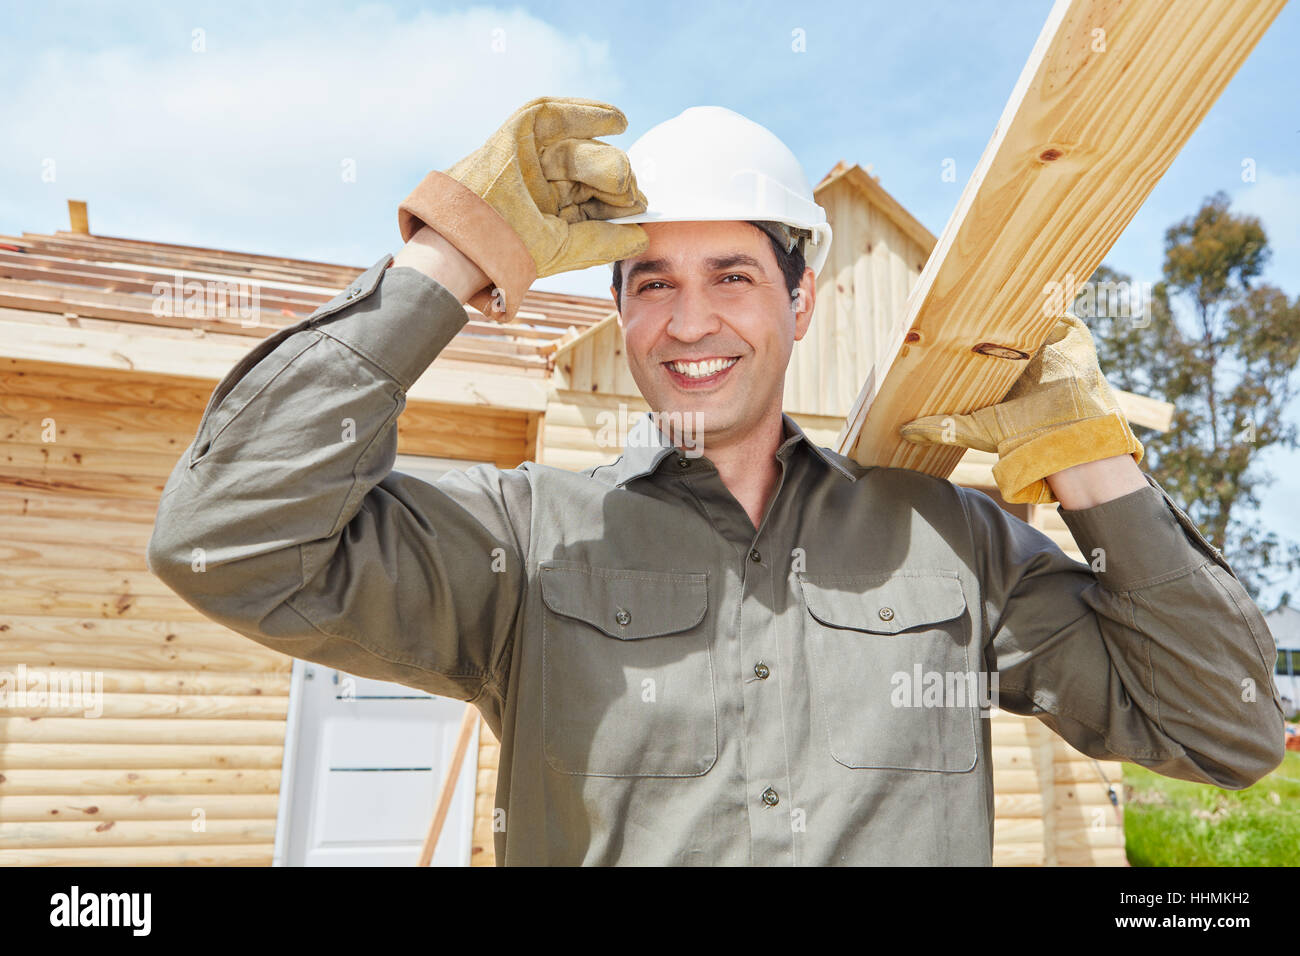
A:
{"points": [[1059, 413], [530, 201]]}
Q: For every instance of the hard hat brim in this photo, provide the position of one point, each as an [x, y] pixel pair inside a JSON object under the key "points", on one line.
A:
{"points": [[814, 254]]}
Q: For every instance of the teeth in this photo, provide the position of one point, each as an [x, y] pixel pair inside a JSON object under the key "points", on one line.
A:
{"points": [[701, 369]]}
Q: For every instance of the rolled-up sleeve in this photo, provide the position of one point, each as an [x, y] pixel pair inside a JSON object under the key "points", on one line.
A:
{"points": [[1153, 652], [284, 521]]}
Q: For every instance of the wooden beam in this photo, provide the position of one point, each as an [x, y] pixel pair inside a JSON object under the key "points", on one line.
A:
{"points": [[1110, 94], [468, 721], [1142, 410], [86, 348], [78, 217]]}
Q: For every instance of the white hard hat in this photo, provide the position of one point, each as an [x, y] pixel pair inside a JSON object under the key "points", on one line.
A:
{"points": [[711, 163]]}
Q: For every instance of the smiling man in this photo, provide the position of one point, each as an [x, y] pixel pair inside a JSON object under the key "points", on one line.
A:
{"points": [[709, 319], [697, 659]]}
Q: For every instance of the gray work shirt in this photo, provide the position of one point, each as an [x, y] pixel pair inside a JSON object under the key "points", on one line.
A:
{"points": [[670, 685]]}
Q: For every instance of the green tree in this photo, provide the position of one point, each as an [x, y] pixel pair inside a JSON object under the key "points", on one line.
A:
{"points": [[1222, 349]]}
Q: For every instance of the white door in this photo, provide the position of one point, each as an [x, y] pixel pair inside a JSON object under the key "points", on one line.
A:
{"points": [[365, 760]]}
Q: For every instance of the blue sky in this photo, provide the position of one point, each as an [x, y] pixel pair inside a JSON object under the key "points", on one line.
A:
{"points": [[241, 145]]}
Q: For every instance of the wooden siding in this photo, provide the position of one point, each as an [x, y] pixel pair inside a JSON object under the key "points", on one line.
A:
{"points": [[193, 714], [873, 264]]}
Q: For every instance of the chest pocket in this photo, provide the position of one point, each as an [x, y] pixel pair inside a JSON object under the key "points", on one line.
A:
{"points": [[888, 655], [626, 672]]}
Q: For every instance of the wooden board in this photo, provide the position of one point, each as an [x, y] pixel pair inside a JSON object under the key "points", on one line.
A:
{"points": [[1109, 96]]}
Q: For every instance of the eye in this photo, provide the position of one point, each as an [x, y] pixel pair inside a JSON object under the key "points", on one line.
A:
{"points": [[644, 286], [737, 275]]}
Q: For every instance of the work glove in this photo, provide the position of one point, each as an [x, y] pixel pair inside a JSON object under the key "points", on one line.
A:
{"points": [[1059, 413], [530, 202]]}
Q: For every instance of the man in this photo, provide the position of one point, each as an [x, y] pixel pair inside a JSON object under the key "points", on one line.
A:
{"points": [[701, 655]]}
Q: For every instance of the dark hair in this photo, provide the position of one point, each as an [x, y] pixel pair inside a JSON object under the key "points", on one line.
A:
{"points": [[792, 266]]}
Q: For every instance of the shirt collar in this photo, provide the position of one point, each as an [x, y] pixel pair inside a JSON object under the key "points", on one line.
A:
{"points": [[647, 447]]}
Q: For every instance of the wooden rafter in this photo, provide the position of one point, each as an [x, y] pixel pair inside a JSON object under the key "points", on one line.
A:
{"points": [[90, 281]]}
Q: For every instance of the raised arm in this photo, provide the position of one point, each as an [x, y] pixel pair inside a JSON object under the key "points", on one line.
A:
{"points": [[284, 521]]}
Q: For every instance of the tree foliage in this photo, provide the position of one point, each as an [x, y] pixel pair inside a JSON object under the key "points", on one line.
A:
{"points": [[1222, 348]]}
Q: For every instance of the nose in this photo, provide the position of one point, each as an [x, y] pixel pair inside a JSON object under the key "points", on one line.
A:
{"points": [[693, 315]]}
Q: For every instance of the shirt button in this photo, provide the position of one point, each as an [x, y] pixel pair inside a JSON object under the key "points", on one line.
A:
{"points": [[762, 671], [354, 292], [755, 556], [683, 463], [623, 617], [770, 797], [886, 613]]}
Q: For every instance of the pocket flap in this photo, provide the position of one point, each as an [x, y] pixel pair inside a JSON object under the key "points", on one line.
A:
{"points": [[626, 604], [884, 603]]}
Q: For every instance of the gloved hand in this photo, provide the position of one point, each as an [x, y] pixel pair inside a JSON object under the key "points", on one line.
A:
{"points": [[1059, 413], [530, 201]]}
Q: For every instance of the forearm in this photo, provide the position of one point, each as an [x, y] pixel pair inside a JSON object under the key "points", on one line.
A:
{"points": [[1096, 482], [431, 254]]}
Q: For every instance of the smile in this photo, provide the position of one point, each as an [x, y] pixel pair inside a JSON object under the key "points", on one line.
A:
{"points": [[700, 371]]}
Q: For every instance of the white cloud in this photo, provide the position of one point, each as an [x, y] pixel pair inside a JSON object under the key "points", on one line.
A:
{"points": [[244, 143]]}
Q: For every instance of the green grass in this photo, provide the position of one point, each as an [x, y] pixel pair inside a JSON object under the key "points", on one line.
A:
{"points": [[1171, 822]]}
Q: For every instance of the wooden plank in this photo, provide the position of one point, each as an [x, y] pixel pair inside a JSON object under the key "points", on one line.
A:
{"points": [[197, 707], [547, 310], [17, 836], [53, 628], [576, 460], [583, 410], [47, 271], [78, 218], [1144, 410], [133, 309], [1044, 746], [137, 780], [131, 657], [79, 348], [230, 732], [216, 261], [126, 307], [1017, 805], [533, 440], [196, 683], [251, 854], [155, 806], [114, 557], [1088, 132], [36, 505], [73, 481], [1017, 854], [114, 386], [29, 420], [28, 520], [117, 584], [132, 756]]}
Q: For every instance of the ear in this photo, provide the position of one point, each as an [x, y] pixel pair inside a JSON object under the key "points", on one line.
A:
{"points": [[618, 312], [803, 302]]}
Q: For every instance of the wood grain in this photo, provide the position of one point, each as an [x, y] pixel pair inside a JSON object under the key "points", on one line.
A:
{"points": [[1110, 94]]}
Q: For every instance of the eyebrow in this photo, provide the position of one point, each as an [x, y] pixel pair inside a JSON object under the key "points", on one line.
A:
{"points": [[729, 261]]}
